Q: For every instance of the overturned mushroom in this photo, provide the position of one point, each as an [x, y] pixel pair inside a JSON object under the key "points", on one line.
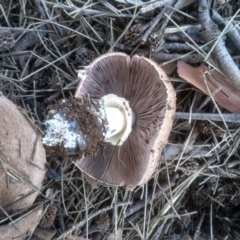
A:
{"points": [[135, 112], [151, 98], [22, 159]]}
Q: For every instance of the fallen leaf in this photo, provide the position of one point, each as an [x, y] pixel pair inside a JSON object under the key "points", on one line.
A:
{"points": [[115, 236], [43, 233], [211, 83]]}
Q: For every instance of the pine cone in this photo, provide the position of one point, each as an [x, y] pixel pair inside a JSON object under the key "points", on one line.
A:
{"points": [[84, 56], [133, 35], [47, 78], [100, 32], [156, 41], [103, 221], [7, 40], [49, 217]]}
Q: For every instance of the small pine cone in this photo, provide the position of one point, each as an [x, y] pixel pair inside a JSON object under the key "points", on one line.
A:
{"points": [[192, 166], [156, 41], [84, 56], [47, 78], [226, 10], [40, 61], [133, 35], [204, 127], [48, 217], [103, 221], [55, 81], [7, 40], [100, 32]]}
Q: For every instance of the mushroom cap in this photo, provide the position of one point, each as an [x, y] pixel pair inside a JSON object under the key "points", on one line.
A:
{"points": [[24, 225], [153, 100], [22, 158]]}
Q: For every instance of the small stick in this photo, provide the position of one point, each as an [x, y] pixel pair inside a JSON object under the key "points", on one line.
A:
{"points": [[227, 117], [232, 32], [154, 24], [197, 232], [219, 51], [159, 191], [189, 58], [175, 46], [135, 216], [93, 215], [156, 5], [160, 230]]}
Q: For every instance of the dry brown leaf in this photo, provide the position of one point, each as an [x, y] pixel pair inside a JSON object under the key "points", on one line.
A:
{"points": [[211, 83], [24, 225], [115, 236], [43, 233]]}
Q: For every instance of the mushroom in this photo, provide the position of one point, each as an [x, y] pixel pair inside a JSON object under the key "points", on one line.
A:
{"points": [[143, 100], [22, 159]]}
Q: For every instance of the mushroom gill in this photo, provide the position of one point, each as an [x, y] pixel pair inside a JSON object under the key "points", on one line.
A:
{"points": [[152, 99]]}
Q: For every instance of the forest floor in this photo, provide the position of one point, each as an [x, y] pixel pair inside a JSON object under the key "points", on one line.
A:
{"points": [[194, 193]]}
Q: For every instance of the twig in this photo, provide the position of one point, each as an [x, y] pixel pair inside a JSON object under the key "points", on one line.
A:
{"points": [[83, 222], [154, 23], [160, 230], [232, 32], [197, 232], [189, 58], [159, 191], [176, 46], [135, 216], [227, 117], [220, 53], [156, 5]]}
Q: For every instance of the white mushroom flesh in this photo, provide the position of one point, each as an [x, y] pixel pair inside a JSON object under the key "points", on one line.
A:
{"points": [[62, 132], [119, 117]]}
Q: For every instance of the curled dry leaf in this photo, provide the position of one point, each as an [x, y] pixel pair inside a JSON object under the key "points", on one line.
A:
{"points": [[22, 157], [213, 84], [24, 225]]}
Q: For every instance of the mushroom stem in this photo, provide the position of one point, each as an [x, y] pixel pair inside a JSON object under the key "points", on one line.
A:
{"points": [[119, 118], [115, 121], [75, 127]]}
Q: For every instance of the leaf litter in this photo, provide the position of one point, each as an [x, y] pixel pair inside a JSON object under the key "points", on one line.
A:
{"points": [[194, 193]]}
